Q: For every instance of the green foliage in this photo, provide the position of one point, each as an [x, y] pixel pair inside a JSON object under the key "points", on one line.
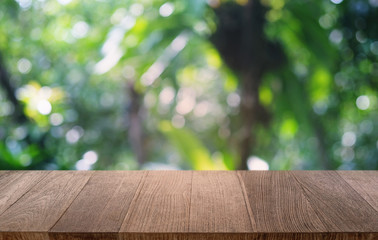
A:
{"points": [[189, 147], [72, 64]]}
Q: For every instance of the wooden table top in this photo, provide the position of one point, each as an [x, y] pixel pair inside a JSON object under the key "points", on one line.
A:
{"points": [[188, 205]]}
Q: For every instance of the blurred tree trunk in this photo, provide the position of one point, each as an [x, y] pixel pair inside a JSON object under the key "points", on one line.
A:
{"points": [[241, 42], [135, 131]]}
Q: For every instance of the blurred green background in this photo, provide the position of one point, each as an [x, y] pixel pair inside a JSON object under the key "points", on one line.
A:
{"points": [[109, 84]]}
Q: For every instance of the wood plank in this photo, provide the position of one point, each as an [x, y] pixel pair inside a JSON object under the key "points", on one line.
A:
{"points": [[218, 203], [161, 204], [197, 236], [24, 236], [251, 236], [278, 204], [338, 205], [188, 205], [40, 208], [100, 207], [84, 236], [14, 184], [365, 183]]}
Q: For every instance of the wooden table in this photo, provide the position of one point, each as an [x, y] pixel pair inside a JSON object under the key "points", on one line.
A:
{"points": [[188, 205]]}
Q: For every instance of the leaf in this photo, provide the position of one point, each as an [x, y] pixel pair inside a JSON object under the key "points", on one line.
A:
{"points": [[188, 146], [228, 160]]}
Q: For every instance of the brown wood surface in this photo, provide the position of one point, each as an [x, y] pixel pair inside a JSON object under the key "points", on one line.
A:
{"points": [[336, 203], [186, 205], [365, 183], [15, 184], [101, 206], [161, 204], [275, 197], [218, 203], [41, 207]]}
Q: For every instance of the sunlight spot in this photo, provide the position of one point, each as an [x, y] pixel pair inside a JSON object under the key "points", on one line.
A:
{"points": [[20, 133], [6, 109], [179, 43], [233, 100], [128, 22], [44, 107], [74, 134], [24, 4], [336, 36], [158, 67], [201, 28], [158, 166], [201, 109], [337, 1], [82, 165], [360, 37], [91, 157], [187, 101], [348, 139], [113, 40], [108, 62], [64, 2], [363, 102], [347, 154], [24, 66], [111, 49], [373, 3], [326, 21], [45, 92], [167, 95], [178, 121], [256, 163], [320, 107], [80, 30], [136, 9], [118, 15], [186, 105], [374, 47], [214, 3], [153, 73], [25, 160], [166, 9], [56, 119]]}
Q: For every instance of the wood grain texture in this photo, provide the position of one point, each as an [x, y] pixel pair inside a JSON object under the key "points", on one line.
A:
{"points": [[336, 203], [84, 236], [365, 183], [101, 206], [188, 205], [41, 207], [218, 203], [24, 236], [249, 236], [14, 184], [161, 204], [278, 203]]}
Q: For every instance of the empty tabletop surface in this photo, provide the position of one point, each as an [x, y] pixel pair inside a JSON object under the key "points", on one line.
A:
{"points": [[188, 205]]}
